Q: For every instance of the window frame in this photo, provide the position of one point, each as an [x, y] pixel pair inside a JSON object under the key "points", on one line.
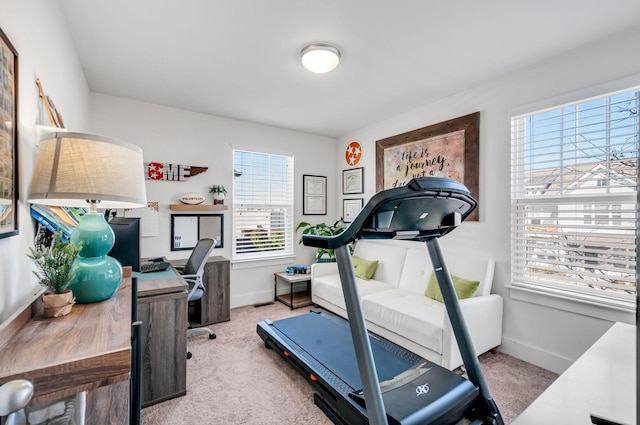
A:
{"points": [[558, 296], [241, 205]]}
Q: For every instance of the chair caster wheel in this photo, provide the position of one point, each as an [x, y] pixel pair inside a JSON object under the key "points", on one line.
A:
{"points": [[189, 355], [212, 336]]}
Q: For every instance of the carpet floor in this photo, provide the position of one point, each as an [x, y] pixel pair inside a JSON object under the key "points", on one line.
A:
{"points": [[234, 380]]}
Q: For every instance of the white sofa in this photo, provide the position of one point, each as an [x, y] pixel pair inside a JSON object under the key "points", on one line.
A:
{"points": [[395, 307]]}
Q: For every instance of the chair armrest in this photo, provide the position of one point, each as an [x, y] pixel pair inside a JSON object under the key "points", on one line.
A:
{"points": [[483, 317]]}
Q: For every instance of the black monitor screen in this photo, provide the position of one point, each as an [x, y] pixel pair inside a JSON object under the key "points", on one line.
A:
{"points": [[127, 244]]}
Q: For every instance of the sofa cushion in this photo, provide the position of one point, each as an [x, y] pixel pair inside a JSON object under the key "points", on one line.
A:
{"points": [[472, 266], [464, 288], [364, 269], [330, 288], [390, 259], [417, 268], [419, 319]]}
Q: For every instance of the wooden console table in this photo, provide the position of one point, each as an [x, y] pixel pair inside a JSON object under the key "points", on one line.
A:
{"points": [[86, 350], [90, 348]]}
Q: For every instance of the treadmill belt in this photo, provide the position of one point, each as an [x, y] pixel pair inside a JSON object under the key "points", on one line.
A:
{"points": [[329, 342]]}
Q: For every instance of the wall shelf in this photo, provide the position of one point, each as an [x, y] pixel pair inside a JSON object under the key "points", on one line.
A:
{"points": [[188, 207]]}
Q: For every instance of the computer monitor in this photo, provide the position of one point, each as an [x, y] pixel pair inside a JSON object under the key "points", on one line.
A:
{"points": [[127, 245]]}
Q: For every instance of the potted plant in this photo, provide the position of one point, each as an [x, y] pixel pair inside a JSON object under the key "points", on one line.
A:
{"points": [[322, 229], [55, 265], [218, 192]]}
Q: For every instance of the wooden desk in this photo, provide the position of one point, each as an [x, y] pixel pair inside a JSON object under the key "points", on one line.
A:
{"points": [[85, 350], [601, 382], [90, 348], [214, 306], [162, 309]]}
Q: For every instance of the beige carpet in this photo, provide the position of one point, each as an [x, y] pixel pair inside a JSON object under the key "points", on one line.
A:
{"points": [[234, 379]]}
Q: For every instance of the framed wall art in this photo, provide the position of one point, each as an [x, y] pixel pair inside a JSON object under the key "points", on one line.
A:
{"points": [[447, 149], [314, 195], [8, 138], [353, 181], [351, 208]]}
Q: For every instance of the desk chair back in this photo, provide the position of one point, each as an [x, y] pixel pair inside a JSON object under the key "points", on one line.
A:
{"points": [[198, 258], [192, 272], [194, 267]]}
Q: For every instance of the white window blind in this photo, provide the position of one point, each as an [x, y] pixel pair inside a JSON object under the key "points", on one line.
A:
{"points": [[574, 179], [262, 205]]}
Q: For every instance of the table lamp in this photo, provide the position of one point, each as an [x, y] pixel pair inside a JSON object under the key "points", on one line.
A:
{"points": [[80, 170]]}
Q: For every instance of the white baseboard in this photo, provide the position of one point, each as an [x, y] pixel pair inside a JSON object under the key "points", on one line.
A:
{"points": [[534, 355], [251, 299], [254, 298]]}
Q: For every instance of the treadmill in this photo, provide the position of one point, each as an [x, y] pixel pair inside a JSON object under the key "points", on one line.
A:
{"points": [[361, 378]]}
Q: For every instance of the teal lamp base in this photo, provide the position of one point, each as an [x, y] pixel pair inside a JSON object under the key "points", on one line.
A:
{"points": [[97, 275]]}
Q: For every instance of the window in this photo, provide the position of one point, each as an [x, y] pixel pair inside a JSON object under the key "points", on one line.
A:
{"points": [[574, 179], [262, 205]]}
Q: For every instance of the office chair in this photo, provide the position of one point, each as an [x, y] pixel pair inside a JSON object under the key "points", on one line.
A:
{"points": [[192, 272], [14, 397]]}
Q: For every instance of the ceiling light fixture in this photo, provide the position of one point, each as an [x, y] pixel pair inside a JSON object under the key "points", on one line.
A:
{"points": [[320, 58]]}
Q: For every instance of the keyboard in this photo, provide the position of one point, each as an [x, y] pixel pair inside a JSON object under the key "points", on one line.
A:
{"points": [[153, 266]]}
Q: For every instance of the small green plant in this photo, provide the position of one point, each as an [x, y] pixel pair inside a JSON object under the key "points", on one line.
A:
{"points": [[55, 263], [322, 229], [217, 188]]}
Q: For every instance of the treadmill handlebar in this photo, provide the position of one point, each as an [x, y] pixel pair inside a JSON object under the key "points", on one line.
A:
{"points": [[434, 206]]}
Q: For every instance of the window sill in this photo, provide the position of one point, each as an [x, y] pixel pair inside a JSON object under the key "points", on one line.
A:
{"points": [[262, 262], [612, 310]]}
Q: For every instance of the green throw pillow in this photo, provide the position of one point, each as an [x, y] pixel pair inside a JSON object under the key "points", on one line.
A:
{"points": [[364, 269], [464, 288]]}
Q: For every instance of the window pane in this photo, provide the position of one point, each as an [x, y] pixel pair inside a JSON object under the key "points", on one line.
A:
{"points": [[573, 196], [262, 205]]}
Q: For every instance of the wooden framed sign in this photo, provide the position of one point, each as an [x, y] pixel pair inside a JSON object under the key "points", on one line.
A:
{"points": [[447, 149]]}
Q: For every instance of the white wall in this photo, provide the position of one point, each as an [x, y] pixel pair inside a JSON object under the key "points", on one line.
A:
{"points": [[549, 337], [180, 137], [546, 336], [37, 31]]}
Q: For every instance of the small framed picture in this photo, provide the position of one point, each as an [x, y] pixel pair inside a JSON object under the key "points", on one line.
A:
{"points": [[314, 195], [353, 181], [351, 208]]}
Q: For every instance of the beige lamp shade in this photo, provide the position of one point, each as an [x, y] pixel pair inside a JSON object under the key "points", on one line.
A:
{"points": [[74, 168]]}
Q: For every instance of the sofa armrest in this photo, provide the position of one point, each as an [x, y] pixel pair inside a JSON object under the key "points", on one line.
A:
{"points": [[483, 316], [323, 269]]}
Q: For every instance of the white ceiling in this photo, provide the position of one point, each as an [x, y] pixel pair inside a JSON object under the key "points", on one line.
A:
{"points": [[239, 58]]}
